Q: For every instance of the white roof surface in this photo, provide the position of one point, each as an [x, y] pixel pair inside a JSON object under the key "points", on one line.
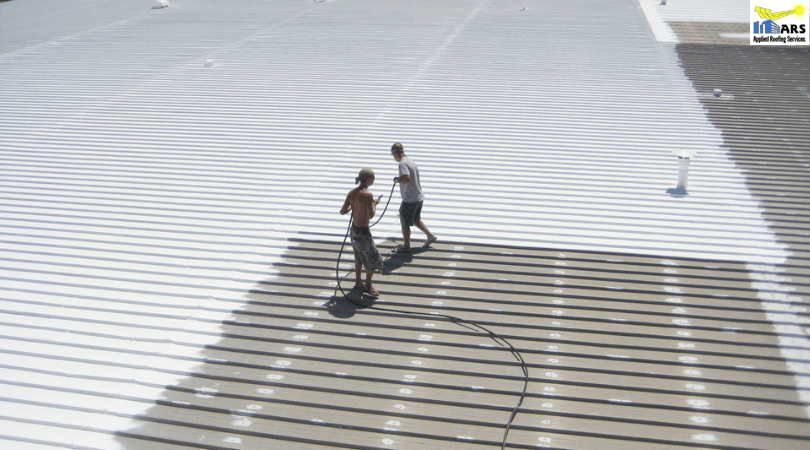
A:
{"points": [[552, 127], [302, 94], [725, 11]]}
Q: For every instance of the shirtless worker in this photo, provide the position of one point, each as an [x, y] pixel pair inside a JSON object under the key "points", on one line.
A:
{"points": [[364, 206], [410, 211]]}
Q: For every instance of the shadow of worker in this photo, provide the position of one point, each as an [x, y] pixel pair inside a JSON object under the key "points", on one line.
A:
{"points": [[394, 261], [346, 302], [345, 306]]}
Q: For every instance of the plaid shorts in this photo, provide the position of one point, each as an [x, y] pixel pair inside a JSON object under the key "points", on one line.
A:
{"points": [[365, 251]]}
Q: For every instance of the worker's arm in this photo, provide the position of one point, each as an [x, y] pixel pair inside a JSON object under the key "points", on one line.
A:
{"points": [[346, 206]]}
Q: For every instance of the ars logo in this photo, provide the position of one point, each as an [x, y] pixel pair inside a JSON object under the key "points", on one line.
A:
{"points": [[779, 22]]}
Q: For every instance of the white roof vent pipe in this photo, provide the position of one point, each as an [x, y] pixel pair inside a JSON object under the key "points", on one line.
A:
{"points": [[160, 4], [684, 157]]}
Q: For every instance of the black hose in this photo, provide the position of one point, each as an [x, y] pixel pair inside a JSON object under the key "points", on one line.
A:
{"points": [[390, 194], [494, 336]]}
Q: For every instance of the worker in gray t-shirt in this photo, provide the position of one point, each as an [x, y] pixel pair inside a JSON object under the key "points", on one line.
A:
{"points": [[410, 189]]}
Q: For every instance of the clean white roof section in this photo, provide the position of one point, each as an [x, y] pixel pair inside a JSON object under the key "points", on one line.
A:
{"points": [[726, 11], [524, 139], [652, 10]]}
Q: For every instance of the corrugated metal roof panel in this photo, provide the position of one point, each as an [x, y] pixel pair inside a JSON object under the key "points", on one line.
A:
{"points": [[170, 232], [729, 11]]}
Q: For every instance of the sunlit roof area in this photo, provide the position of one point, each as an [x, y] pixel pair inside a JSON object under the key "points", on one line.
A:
{"points": [[619, 189]]}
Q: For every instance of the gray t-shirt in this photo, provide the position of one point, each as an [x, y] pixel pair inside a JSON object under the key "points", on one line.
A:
{"points": [[412, 191]]}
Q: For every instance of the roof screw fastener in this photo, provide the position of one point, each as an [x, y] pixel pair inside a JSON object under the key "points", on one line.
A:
{"points": [[209, 63], [718, 93], [663, 2]]}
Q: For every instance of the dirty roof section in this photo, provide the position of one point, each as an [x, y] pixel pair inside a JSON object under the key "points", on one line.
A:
{"points": [[171, 180]]}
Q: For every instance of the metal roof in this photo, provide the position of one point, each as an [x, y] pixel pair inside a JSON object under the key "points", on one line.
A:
{"points": [[170, 186]]}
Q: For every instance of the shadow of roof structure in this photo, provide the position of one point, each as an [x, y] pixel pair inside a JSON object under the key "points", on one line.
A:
{"points": [[618, 354]]}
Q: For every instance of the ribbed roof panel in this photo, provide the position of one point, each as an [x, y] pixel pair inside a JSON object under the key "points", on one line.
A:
{"points": [[170, 232]]}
